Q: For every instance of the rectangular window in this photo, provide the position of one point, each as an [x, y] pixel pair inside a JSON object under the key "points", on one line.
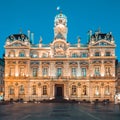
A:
{"points": [[83, 72], [45, 72], [108, 70], [97, 71], [44, 90], [74, 90], [84, 55], [11, 92], [59, 72], [34, 90], [73, 72], [35, 72], [108, 54], [21, 73], [21, 89], [12, 72], [97, 54]]}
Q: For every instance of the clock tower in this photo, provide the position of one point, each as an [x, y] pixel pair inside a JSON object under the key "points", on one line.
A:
{"points": [[60, 27]]}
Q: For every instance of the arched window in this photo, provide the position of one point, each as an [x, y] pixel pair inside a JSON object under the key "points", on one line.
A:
{"points": [[11, 90], [22, 54], [45, 90], [21, 89], [74, 90]]}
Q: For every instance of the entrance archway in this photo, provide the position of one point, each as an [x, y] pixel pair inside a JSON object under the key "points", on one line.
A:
{"points": [[59, 91]]}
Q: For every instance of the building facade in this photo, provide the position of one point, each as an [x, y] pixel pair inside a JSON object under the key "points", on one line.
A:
{"points": [[60, 69], [118, 78], [1, 79]]}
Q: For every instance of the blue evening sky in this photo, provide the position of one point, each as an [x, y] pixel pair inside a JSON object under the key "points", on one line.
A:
{"points": [[38, 17]]}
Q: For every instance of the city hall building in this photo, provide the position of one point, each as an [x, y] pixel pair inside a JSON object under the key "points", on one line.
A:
{"points": [[60, 69]]}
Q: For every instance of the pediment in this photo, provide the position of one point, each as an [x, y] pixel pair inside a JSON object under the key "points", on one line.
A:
{"points": [[103, 43], [17, 44]]}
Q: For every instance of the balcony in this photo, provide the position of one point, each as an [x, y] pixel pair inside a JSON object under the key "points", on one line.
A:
{"points": [[59, 78], [102, 77]]}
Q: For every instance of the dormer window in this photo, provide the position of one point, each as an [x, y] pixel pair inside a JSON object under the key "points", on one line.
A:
{"points": [[97, 53], [84, 55], [74, 55], [34, 55], [22, 54], [44, 55]]}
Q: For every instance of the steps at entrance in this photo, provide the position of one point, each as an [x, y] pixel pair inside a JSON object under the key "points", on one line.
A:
{"points": [[59, 101]]}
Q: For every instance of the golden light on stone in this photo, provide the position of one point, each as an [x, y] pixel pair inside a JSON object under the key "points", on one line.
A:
{"points": [[59, 69]]}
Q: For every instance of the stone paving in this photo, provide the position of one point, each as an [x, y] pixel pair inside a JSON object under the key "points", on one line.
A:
{"points": [[59, 111]]}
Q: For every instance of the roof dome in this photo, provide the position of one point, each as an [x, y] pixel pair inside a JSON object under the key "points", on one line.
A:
{"points": [[21, 37], [60, 15], [60, 19]]}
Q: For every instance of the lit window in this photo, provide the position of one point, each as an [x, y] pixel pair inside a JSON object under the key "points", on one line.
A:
{"points": [[96, 90], [74, 90], [12, 72], [45, 90], [83, 72], [107, 90], [21, 73], [11, 54]]}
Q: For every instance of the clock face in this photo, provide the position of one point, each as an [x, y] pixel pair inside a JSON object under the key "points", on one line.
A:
{"points": [[61, 21]]}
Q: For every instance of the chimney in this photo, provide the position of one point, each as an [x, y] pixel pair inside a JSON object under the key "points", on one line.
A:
{"points": [[28, 34], [32, 38]]}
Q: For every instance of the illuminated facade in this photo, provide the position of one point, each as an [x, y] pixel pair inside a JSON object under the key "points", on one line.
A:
{"points": [[1, 79], [60, 69], [118, 78]]}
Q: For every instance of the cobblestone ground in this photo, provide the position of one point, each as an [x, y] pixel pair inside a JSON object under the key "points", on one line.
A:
{"points": [[59, 111]]}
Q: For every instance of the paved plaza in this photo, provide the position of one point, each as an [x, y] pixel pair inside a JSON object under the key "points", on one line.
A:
{"points": [[59, 111]]}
